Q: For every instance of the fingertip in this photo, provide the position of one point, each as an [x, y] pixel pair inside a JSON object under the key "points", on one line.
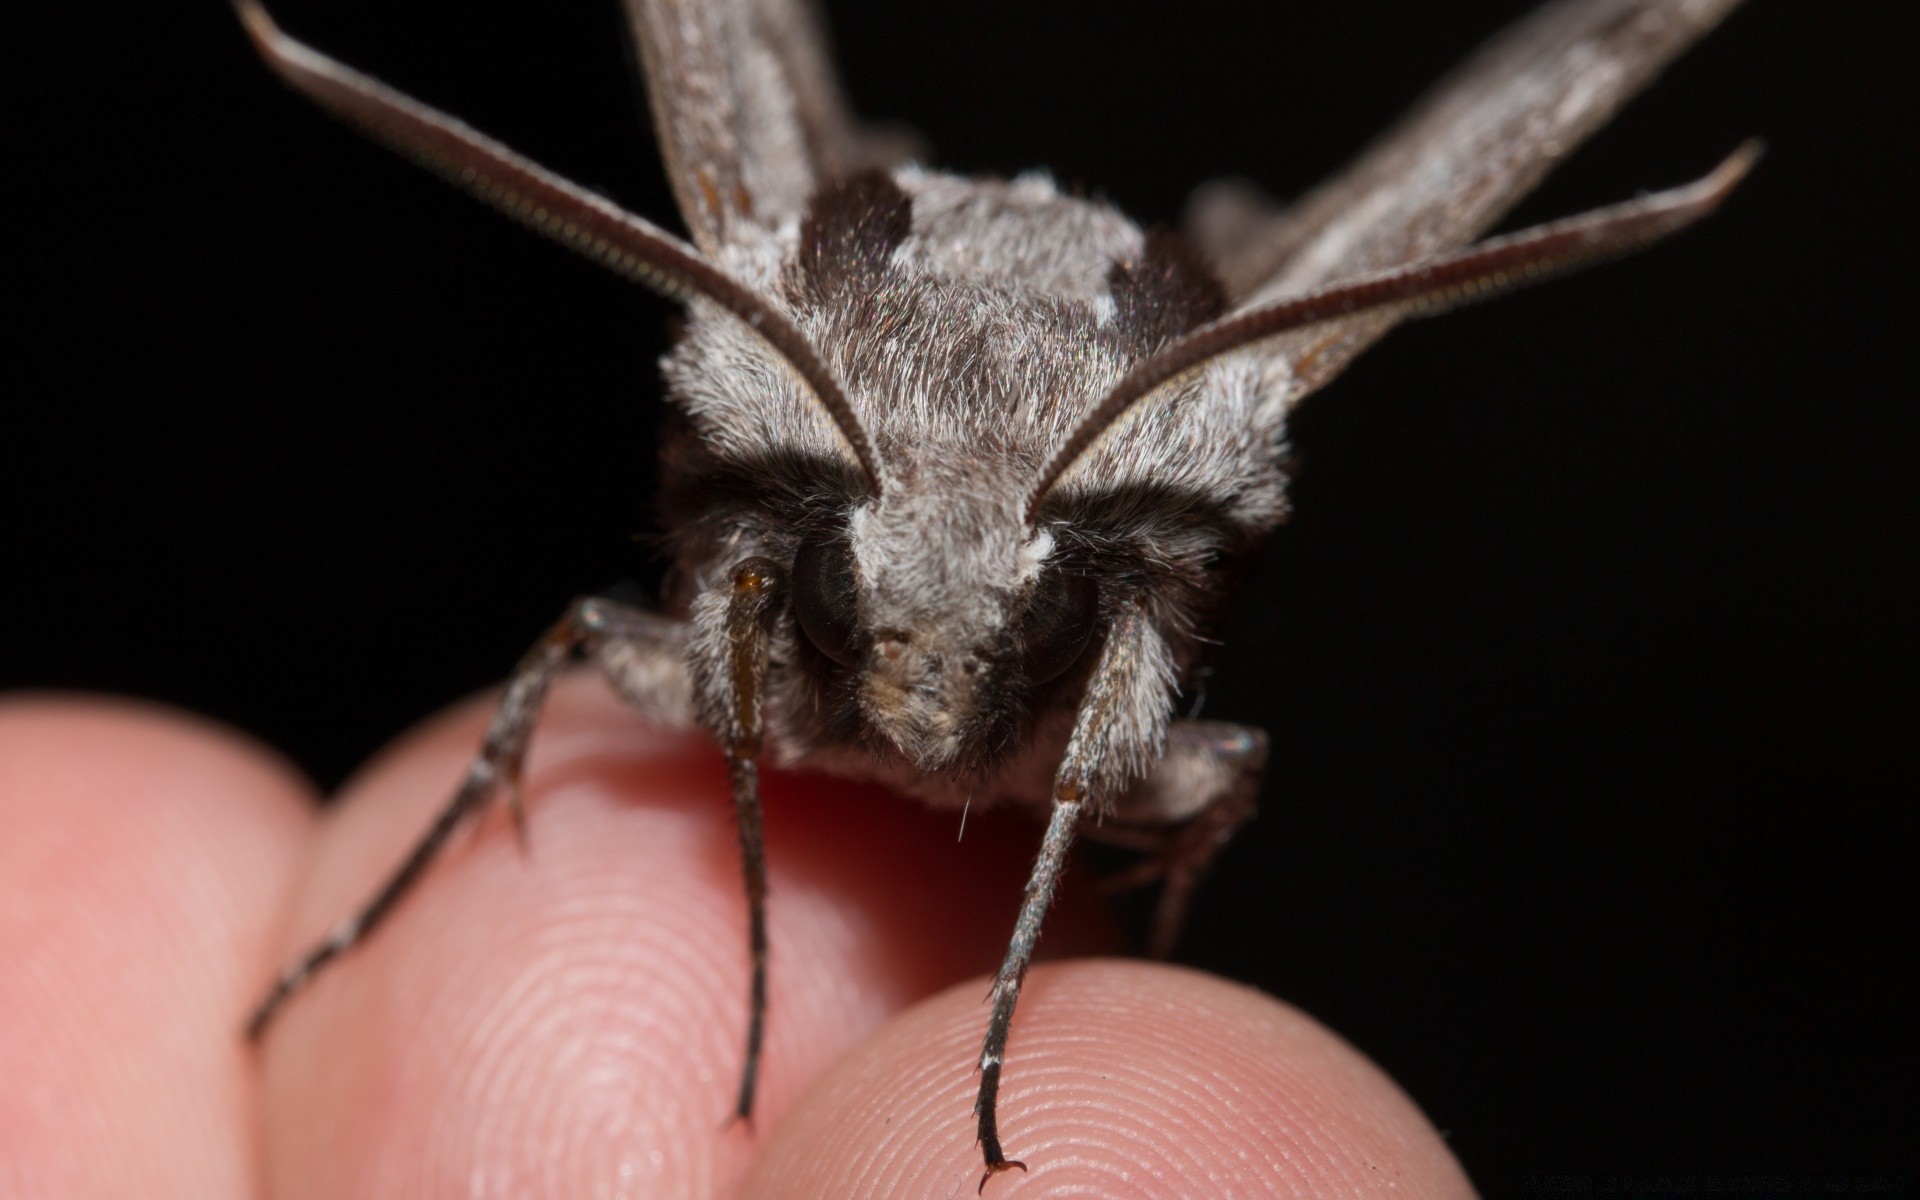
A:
{"points": [[1122, 1078], [144, 859]]}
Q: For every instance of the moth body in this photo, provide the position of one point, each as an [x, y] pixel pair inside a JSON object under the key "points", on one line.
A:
{"points": [[974, 324]]}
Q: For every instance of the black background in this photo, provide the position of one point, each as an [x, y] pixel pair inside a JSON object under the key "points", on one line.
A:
{"points": [[1588, 655]]}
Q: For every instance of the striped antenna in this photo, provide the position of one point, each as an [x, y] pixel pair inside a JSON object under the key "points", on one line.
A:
{"points": [[1476, 273]]}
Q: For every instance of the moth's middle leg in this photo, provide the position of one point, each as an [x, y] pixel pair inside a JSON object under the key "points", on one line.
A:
{"points": [[1203, 789]]}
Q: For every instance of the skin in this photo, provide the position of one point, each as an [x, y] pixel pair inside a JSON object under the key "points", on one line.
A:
{"points": [[567, 1022]]}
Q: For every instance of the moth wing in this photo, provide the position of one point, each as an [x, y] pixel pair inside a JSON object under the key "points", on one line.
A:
{"points": [[1467, 153], [749, 110]]}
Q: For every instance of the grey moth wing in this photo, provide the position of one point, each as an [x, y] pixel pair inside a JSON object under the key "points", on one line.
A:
{"points": [[1470, 150], [749, 112]]}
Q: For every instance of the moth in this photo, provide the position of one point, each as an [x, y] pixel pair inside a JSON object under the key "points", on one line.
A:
{"points": [[962, 465]]}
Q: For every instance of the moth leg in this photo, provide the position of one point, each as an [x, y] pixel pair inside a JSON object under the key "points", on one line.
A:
{"points": [[1069, 803], [1126, 664], [588, 623], [643, 657], [757, 589], [1183, 813]]}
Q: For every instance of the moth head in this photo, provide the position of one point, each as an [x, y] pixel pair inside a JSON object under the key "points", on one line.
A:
{"points": [[938, 614]]}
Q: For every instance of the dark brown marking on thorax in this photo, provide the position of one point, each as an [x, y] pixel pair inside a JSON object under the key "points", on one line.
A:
{"points": [[849, 233], [1169, 291]]}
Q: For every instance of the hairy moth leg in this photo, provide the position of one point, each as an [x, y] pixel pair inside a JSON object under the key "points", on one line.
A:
{"points": [[1125, 663], [589, 623], [1182, 814], [758, 588]]}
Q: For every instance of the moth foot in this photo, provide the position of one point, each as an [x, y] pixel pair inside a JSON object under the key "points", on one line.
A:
{"points": [[994, 1167]]}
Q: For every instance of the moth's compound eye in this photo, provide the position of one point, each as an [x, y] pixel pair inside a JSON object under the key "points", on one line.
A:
{"points": [[823, 599], [1057, 624]]}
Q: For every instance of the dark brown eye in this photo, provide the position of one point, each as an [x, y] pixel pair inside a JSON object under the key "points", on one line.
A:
{"points": [[1057, 623], [823, 598]]}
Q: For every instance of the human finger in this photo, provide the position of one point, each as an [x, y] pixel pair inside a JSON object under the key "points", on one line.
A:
{"points": [[570, 1022], [143, 858], [1122, 1079]]}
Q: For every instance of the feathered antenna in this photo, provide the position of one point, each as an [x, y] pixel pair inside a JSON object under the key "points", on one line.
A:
{"points": [[1476, 273], [543, 201]]}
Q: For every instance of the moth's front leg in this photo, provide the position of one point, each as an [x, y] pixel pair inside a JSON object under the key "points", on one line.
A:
{"points": [[1122, 719], [643, 656], [1181, 815], [755, 591]]}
